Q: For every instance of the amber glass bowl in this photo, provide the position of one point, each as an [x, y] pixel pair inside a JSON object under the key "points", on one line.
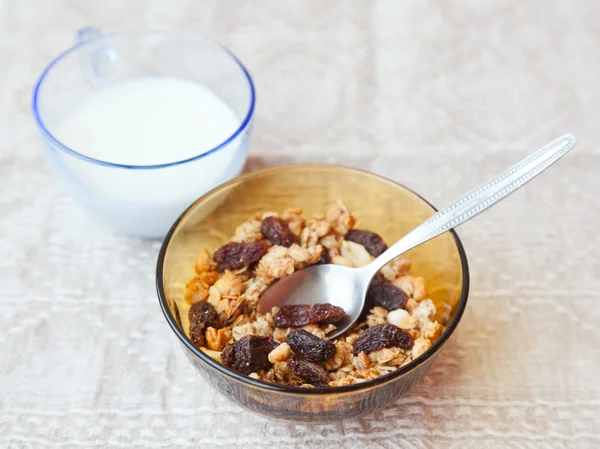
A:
{"points": [[380, 205]]}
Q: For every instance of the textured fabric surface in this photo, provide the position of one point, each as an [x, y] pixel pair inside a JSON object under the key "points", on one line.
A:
{"points": [[437, 95]]}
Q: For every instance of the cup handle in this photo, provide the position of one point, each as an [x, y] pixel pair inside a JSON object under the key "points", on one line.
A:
{"points": [[87, 34], [97, 59]]}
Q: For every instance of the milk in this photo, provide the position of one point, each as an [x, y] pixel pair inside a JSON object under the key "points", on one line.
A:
{"points": [[142, 122], [147, 121]]}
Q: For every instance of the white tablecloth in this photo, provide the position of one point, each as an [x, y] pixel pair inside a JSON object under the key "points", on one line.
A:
{"points": [[437, 95]]}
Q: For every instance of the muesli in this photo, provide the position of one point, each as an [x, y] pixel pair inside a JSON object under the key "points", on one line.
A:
{"points": [[289, 345]]}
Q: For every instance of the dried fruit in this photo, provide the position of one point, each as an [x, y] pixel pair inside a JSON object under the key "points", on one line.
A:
{"points": [[293, 315], [326, 314], [278, 232], [382, 336], [201, 315], [249, 354], [309, 346], [299, 315], [372, 242], [383, 293], [234, 255], [309, 372]]}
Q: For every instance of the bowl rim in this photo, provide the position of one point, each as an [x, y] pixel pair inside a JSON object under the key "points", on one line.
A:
{"points": [[245, 121], [384, 379]]}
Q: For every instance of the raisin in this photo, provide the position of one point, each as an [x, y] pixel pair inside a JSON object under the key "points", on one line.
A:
{"points": [[372, 242], [326, 314], [299, 315], [249, 354], [201, 315], [234, 255], [278, 232], [293, 316], [385, 294], [228, 355], [309, 372], [309, 346], [382, 336]]}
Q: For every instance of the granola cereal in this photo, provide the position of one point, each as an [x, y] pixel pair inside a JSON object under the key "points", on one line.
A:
{"points": [[289, 346]]}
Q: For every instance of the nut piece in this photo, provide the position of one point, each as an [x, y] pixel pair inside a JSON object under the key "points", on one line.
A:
{"points": [[280, 353], [402, 319], [355, 253]]}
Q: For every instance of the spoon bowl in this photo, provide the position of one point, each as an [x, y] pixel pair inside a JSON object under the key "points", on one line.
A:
{"points": [[342, 286]]}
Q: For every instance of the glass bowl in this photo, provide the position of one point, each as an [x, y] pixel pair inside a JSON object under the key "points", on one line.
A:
{"points": [[142, 200], [380, 205]]}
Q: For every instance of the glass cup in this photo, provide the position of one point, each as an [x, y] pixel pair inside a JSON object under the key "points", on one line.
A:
{"points": [[142, 200]]}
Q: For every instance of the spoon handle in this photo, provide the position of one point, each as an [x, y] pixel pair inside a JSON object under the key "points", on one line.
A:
{"points": [[478, 200]]}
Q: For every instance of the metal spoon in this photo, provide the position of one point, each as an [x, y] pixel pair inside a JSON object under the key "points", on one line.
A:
{"points": [[347, 287]]}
